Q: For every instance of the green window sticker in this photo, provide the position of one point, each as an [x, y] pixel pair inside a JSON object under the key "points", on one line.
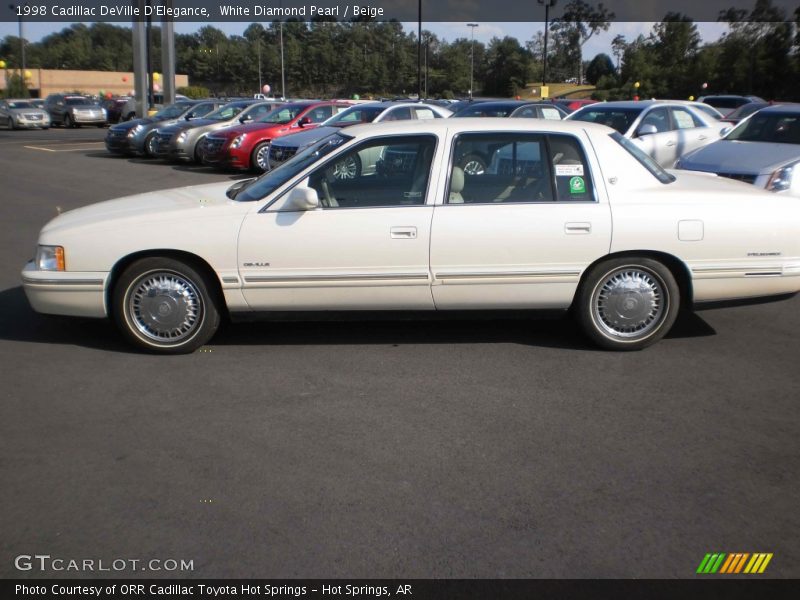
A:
{"points": [[577, 185]]}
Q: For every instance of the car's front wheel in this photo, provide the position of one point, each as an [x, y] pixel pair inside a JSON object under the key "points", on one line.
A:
{"points": [[165, 306], [259, 159], [150, 145], [628, 303], [67, 121]]}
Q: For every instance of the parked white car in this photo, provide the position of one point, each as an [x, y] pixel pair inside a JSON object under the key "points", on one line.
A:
{"points": [[568, 215], [663, 129]]}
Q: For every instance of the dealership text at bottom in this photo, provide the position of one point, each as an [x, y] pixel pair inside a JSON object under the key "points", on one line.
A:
{"points": [[210, 590]]}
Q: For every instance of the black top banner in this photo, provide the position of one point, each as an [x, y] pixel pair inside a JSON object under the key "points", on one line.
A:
{"points": [[213, 11]]}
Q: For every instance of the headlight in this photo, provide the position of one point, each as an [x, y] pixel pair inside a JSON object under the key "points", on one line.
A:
{"points": [[237, 141], [782, 179], [50, 258], [135, 130], [181, 136]]}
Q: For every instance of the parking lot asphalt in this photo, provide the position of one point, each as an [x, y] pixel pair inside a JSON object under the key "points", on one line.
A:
{"points": [[464, 448]]}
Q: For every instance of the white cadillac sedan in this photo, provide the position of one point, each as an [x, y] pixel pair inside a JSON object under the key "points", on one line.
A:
{"points": [[566, 215]]}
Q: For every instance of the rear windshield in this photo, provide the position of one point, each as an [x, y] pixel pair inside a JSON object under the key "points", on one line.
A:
{"points": [[778, 128], [487, 110], [644, 159], [620, 119]]}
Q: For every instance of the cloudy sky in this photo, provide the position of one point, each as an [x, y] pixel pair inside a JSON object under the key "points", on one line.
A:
{"points": [[449, 31]]}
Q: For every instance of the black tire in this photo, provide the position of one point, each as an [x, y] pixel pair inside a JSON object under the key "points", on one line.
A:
{"points": [[627, 303], [473, 164], [149, 145], [165, 306], [68, 122], [10, 123], [254, 157]]}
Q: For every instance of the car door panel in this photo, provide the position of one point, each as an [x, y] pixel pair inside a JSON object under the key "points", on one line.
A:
{"points": [[497, 252]]}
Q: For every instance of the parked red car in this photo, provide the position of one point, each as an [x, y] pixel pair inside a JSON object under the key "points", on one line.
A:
{"points": [[247, 146]]}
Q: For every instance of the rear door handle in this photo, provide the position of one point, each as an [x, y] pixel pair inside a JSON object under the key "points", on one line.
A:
{"points": [[670, 143], [577, 228], [403, 233], [703, 138]]}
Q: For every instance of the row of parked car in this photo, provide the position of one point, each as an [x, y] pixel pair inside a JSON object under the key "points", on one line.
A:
{"points": [[260, 135]]}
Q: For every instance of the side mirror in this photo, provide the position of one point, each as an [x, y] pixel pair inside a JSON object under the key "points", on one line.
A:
{"points": [[303, 198], [245, 119], [304, 121], [237, 187], [725, 131], [647, 129]]}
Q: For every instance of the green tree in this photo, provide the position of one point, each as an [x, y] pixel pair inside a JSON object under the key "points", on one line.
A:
{"points": [[600, 66], [579, 23]]}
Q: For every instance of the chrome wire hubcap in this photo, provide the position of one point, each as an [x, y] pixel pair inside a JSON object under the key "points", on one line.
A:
{"points": [[262, 157], [474, 167], [165, 307], [629, 303], [345, 169]]}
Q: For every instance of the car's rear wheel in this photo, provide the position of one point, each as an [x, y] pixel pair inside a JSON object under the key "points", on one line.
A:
{"points": [[259, 158], [165, 306], [150, 145], [628, 303]]}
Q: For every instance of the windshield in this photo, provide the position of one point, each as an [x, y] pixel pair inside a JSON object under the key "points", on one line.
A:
{"points": [[354, 115], [79, 101], [173, 111], [778, 128], [283, 114], [644, 159], [620, 119], [487, 110], [272, 180], [227, 112], [20, 105]]}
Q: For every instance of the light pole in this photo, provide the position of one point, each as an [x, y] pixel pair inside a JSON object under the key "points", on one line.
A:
{"points": [[547, 4], [472, 27], [21, 41]]}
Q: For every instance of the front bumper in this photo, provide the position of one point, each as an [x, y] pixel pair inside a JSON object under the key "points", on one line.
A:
{"points": [[119, 144], [31, 123], [65, 292]]}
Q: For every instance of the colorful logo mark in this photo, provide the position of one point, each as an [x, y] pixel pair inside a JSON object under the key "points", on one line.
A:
{"points": [[732, 564]]}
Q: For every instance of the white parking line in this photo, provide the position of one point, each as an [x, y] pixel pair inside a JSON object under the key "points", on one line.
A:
{"points": [[83, 146]]}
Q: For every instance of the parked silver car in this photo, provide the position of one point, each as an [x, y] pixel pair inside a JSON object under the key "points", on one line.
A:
{"points": [[764, 150], [23, 114], [180, 141], [664, 130]]}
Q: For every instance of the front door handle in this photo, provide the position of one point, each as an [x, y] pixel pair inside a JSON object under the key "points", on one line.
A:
{"points": [[577, 228], [670, 143], [703, 138], [403, 233]]}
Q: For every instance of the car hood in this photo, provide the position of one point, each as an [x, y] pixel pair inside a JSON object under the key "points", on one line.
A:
{"points": [[305, 138], [727, 156], [179, 203], [27, 111]]}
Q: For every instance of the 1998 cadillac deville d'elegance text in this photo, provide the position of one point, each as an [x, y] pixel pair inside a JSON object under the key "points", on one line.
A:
{"points": [[384, 217]]}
